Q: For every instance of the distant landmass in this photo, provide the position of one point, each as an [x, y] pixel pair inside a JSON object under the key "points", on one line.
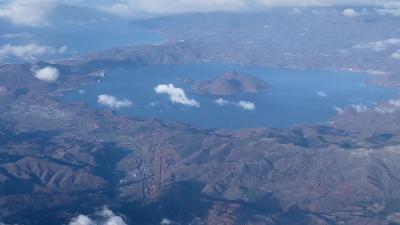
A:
{"points": [[231, 83]]}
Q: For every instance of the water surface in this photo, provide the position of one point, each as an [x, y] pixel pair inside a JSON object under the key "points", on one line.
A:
{"points": [[295, 97]]}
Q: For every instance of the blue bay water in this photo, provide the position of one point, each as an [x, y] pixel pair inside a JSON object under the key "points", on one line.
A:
{"points": [[292, 98]]}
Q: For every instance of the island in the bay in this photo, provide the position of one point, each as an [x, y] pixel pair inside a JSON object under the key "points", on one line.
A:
{"points": [[230, 83]]}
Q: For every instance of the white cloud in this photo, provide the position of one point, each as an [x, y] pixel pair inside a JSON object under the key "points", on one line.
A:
{"points": [[389, 107], [384, 109], [322, 94], [392, 11], [63, 49], [47, 74], [338, 110], [37, 12], [295, 12], [1, 223], [222, 102], [350, 13], [16, 35], [166, 221], [110, 218], [28, 12], [113, 102], [133, 8], [104, 217], [81, 220], [379, 45], [395, 103], [27, 52], [396, 55], [377, 72], [176, 95], [360, 108], [154, 104], [246, 105]]}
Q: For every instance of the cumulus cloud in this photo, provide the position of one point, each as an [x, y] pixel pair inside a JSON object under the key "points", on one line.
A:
{"points": [[222, 102], [360, 108], [37, 12], [28, 12], [153, 104], [48, 74], [395, 103], [246, 105], [384, 109], [28, 52], [133, 7], [322, 94], [377, 72], [396, 55], [338, 110], [166, 221], [379, 45], [104, 217], [350, 13], [113, 102], [82, 220], [176, 95], [16, 35], [391, 11], [388, 107], [63, 49]]}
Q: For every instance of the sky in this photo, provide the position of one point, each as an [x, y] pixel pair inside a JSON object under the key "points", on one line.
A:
{"points": [[36, 12]]}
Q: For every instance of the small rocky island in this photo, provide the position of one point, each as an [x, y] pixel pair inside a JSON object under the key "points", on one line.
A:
{"points": [[230, 83]]}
